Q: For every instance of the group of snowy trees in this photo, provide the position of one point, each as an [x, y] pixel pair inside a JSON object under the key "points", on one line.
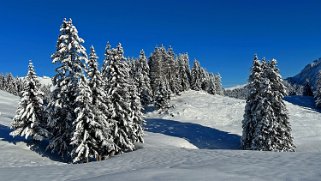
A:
{"points": [[91, 114], [266, 124], [11, 84], [170, 74], [94, 113]]}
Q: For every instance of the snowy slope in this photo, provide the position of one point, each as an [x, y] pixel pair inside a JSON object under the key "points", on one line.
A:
{"points": [[199, 140], [310, 72]]}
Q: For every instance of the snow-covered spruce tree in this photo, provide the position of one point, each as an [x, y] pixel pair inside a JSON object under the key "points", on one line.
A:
{"points": [[70, 57], [283, 138], [218, 85], [184, 72], [273, 130], [317, 94], [106, 60], [307, 90], [205, 79], [171, 71], [265, 125], [84, 137], [155, 69], [10, 84], [118, 89], [29, 120], [92, 136], [136, 115], [132, 68], [196, 79], [252, 115], [143, 81], [211, 87], [162, 97]]}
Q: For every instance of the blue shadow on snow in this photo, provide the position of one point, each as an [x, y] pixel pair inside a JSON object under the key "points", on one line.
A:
{"points": [[38, 147], [201, 136], [303, 101]]}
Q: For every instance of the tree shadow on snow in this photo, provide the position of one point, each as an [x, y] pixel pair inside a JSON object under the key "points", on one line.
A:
{"points": [[5, 135], [38, 147], [306, 102], [201, 136]]}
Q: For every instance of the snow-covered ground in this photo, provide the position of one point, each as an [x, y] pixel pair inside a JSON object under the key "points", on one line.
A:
{"points": [[198, 140]]}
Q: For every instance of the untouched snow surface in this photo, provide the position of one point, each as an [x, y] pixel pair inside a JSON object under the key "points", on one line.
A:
{"points": [[198, 140]]}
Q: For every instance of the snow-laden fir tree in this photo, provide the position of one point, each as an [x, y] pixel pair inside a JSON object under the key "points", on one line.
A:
{"points": [[136, 115], [196, 76], [205, 76], [84, 137], [184, 72], [92, 137], [143, 81], [171, 71], [162, 97], [132, 68], [30, 120], [218, 85], [70, 58], [118, 89], [317, 94], [252, 115], [273, 130], [266, 124], [106, 60], [211, 87], [155, 69]]}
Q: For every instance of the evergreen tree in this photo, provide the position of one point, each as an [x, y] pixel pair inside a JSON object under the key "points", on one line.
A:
{"points": [[251, 115], [136, 115], [273, 131], [196, 82], [205, 77], [70, 57], [143, 81], [171, 71], [266, 126], [317, 93], [106, 60], [162, 97], [29, 120], [184, 72], [85, 136], [211, 88], [218, 85], [118, 91], [155, 69], [92, 136]]}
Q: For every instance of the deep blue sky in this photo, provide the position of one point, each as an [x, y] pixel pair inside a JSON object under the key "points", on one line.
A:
{"points": [[222, 34]]}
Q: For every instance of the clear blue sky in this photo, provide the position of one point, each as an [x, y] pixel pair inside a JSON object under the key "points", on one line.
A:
{"points": [[222, 34]]}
